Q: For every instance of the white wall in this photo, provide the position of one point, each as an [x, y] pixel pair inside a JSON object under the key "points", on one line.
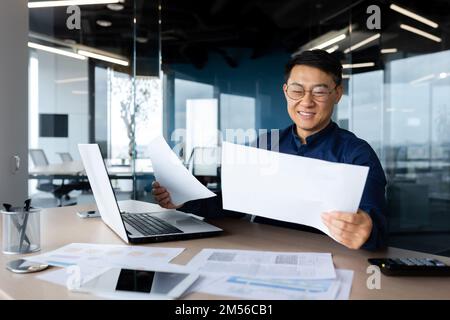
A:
{"points": [[201, 124], [63, 89], [13, 99]]}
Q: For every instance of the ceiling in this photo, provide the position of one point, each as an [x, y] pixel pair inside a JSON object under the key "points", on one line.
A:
{"points": [[193, 30]]}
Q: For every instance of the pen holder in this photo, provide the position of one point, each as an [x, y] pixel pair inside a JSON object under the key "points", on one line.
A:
{"points": [[21, 231]]}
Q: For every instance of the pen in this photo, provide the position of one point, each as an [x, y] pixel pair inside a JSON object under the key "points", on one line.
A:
{"points": [[25, 221], [7, 207], [27, 204]]}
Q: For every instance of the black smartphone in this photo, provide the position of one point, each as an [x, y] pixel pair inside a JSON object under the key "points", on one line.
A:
{"points": [[88, 214]]}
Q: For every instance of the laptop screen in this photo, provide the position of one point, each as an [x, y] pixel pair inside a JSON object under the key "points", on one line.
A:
{"points": [[102, 189]]}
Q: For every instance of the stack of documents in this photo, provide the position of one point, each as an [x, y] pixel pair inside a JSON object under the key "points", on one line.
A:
{"points": [[237, 273], [270, 275]]}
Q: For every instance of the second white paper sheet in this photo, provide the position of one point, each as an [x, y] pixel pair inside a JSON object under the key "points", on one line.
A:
{"points": [[265, 264], [288, 187], [172, 175]]}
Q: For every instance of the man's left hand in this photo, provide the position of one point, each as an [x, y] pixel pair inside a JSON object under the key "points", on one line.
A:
{"points": [[351, 230]]}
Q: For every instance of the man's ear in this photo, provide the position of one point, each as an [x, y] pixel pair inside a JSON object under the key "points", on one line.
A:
{"points": [[284, 90], [339, 92]]}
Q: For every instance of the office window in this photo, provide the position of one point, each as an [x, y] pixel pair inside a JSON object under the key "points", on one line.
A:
{"points": [[367, 98], [418, 111], [141, 118]]}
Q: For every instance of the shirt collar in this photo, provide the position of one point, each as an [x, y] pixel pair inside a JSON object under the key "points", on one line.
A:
{"points": [[314, 137]]}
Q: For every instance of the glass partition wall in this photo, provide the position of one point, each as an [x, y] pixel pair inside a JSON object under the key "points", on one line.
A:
{"points": [[193, 70], [400, 106], [94, 77]]}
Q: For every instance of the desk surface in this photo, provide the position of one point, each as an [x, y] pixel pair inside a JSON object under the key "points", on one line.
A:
{"points": [[62, 226]]}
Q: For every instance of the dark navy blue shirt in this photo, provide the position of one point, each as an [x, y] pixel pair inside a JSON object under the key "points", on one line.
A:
{"points": [[331, 144]]}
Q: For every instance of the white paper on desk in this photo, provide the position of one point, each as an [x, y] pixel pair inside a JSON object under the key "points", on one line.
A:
{"points": [[287, 187], [62, 276], [346, 278], [172, 175], [103, 255], [264, 264]]}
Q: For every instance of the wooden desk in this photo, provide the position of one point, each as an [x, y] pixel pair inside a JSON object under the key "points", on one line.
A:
{"points": [[62, 226]]}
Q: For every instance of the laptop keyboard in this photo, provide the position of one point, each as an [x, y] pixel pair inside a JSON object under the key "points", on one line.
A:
{"points": [[147, 224]]}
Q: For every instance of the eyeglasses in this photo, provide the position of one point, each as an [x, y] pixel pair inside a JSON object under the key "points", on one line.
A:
{"points": [[319, 93]]}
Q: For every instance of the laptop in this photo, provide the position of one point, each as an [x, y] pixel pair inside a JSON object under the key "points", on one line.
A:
{"points": [[137, 227]]}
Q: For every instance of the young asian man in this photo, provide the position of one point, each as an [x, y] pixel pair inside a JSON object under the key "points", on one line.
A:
{"points": [[313, 86]]}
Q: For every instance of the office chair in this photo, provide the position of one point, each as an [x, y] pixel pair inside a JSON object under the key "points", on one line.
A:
{"points": [[39, 158], [83, 184], [65, 156]]}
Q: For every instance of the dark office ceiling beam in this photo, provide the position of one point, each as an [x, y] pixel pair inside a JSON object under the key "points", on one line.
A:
{"points": [[219, 26]]}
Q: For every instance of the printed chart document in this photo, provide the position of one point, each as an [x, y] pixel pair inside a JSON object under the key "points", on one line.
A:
{"points": [[172, 175], [273, 289], [264, 264], [288, 187], [277, 289]]}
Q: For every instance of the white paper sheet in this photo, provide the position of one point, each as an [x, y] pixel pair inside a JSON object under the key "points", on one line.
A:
{"points": [[106, 255], [172, 175], [287, 187], [346, 279], [68, 276], [264, 264], [93, 259]]}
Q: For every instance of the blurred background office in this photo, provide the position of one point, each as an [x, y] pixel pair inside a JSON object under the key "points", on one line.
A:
{"points": [[124, 71]]}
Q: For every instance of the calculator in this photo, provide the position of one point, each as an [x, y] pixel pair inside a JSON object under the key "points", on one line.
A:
{"points": [[411, 267]]}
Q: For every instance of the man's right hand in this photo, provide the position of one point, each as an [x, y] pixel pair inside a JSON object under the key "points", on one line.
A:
{"points": [[163, 196]]}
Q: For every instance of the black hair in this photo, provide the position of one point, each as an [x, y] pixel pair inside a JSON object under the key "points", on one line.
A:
{"points": [[319, 59]]}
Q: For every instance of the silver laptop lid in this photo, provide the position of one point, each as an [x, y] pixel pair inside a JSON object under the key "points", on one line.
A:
{"points": [[102, 189]]}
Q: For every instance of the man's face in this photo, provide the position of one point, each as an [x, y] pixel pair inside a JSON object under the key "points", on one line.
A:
{"points": [[310, 114]]}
